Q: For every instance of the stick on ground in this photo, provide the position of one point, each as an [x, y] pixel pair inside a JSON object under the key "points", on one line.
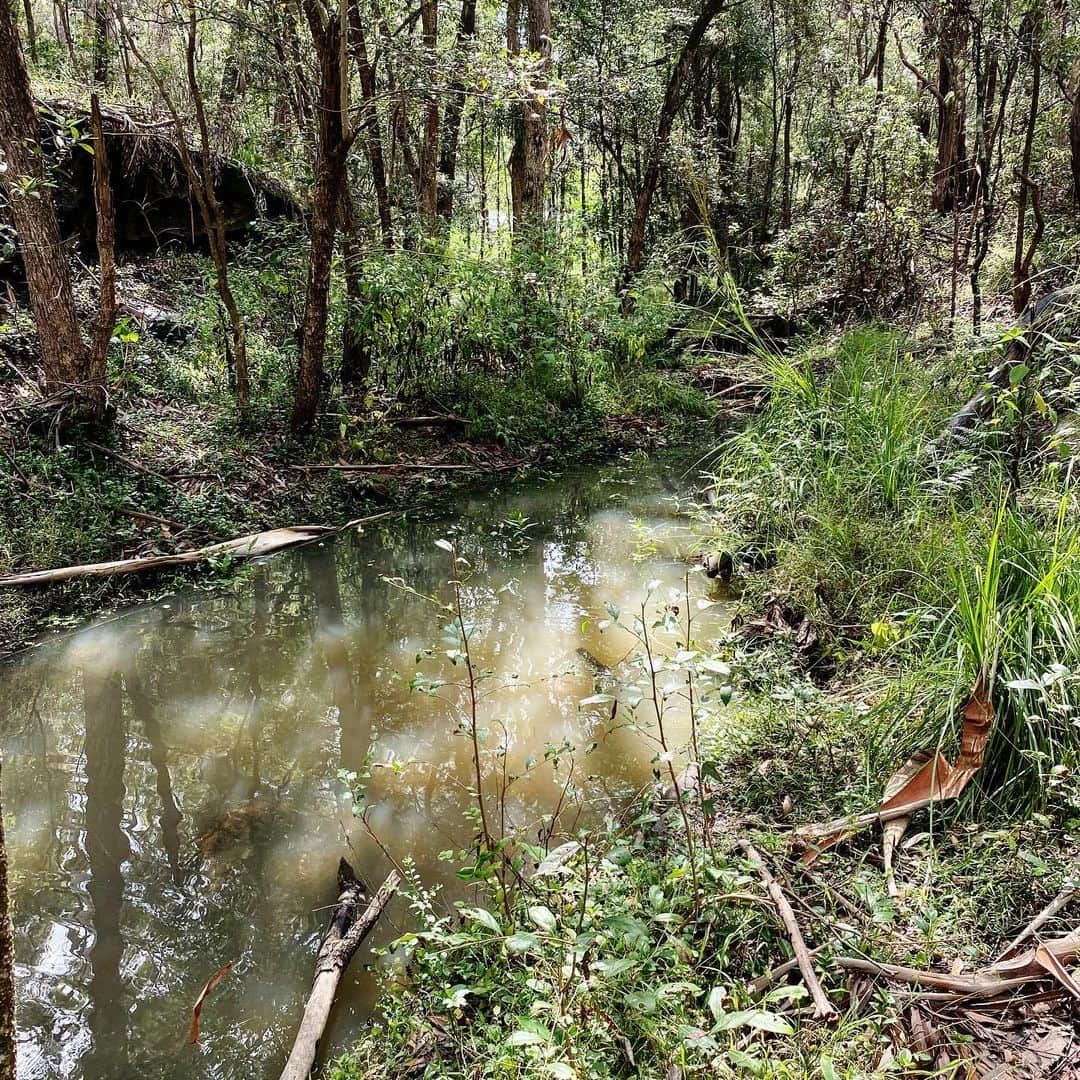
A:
{"points": [[823, 1008], [343, 938]]}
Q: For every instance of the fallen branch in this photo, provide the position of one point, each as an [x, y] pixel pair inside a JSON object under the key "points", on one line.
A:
{"points": [[406, 466], [1046, 960], [129, 462], [343, 938], [1060, 901], [243, 547], [823, 1008], [763, 982], [153, 519]]}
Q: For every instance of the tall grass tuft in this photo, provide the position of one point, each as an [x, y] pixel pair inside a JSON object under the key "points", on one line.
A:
{"points": [[1017, 617]]}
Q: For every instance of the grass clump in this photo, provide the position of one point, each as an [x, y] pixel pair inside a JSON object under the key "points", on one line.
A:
{"points": [[935, 560]]}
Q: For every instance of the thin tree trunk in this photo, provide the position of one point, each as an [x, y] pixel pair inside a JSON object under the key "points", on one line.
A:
{"points": [[429, 146], [100, 42], [672, 100], [64, 355], [534, 164], [106, 246], [455, 109], [31, 31], [370, 123], [1024, 254], [330, 176], [1074, 142], [355, 353], [201, 183], [516, 162]]}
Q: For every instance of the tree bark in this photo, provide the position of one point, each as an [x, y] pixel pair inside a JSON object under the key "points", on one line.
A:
{"points": [[330, 174], [455, 109], [950, 189], [355, 353], [100, 42], [673, 96], [64, 355], [31, 31], [428, 192], [1023, 253], [534, 164], [515, 164], [106, 246], [370, 123], [1074, 142]]}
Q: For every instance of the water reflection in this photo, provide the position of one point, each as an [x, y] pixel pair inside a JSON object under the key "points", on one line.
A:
{"points": [[174, 792]]}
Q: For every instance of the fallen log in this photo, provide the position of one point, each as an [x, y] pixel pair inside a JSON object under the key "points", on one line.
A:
{"points": [[1047, 960], [243, 547], [343, 938], [406, 466]]}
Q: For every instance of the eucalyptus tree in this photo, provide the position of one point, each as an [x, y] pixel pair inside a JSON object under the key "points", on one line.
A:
{"points": [[64, 355]]}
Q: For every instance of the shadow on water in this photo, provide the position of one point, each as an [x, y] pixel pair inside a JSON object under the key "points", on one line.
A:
{"points": [[175, 789]]}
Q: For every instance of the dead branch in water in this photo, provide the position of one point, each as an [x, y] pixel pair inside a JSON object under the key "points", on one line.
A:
{"points": [[343, 938]]}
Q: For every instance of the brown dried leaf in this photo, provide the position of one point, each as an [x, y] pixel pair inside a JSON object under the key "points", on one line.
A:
{"points": [[196, 1012], [932, 781], [1046, 959]]}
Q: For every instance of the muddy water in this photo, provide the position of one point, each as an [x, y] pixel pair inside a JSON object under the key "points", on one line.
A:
{"points": [[173, 778]]}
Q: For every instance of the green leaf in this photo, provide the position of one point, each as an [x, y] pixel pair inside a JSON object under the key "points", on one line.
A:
{"points": [[715, 1001], [482, 916], [525, 1038], [561, 1071], [522, 943], [756, 1019], [543, 918], [1018, 374]]}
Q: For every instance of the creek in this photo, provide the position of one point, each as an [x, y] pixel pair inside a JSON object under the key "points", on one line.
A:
{"points": [[176, 780]]}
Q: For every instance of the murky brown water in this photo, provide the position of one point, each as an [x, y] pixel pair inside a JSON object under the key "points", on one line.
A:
{"points": [[172, 777]]}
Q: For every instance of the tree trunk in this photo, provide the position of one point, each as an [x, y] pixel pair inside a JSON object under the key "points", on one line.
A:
{"points": [[1023, 253], [100, 42], [455, 108], [370, 123], [7, 964], [31, 31], [355, 353], [951, 187], [201, 183], [428, 192], [106, 246], [672, 100], [534, 163], [1074, 142], [516, 162], [64, 355], [330, 161]]}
